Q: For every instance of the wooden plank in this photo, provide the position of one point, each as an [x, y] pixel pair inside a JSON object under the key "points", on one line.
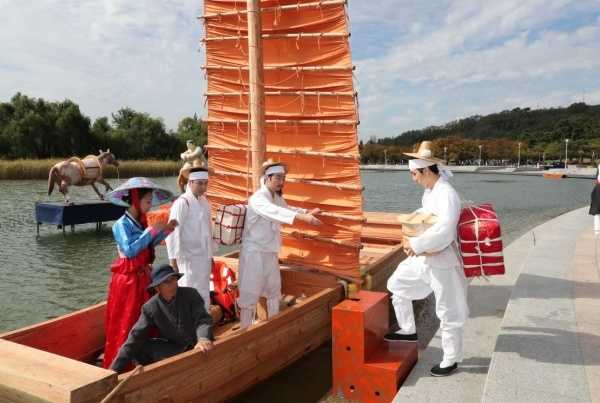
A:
{"points": [[42, 375], [79, 335], [377, 276], [262, 356], [271, 365], [243, 351], [295, 280]]}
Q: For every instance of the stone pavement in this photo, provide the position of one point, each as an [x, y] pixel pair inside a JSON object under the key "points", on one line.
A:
{"points": [[534, 334]]}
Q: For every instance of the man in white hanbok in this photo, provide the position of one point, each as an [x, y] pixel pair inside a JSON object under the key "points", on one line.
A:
{"points": [[433, 264], [261, 240], [190, 246]]}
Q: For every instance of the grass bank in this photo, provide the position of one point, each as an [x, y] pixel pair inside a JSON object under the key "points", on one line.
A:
{"points": [[38, 169]]}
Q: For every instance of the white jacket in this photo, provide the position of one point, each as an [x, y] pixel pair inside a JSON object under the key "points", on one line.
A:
{"points": [[264, 216], [193, 236], [443, 201]]}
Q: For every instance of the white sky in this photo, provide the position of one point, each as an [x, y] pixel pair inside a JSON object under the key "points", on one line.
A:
{"points": [[420, 63]]}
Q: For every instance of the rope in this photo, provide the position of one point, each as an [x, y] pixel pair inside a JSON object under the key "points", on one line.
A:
{"points": [[80, 165], [113, 392], [94, 157]]}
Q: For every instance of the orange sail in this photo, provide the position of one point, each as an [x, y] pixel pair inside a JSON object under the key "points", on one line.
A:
{"points": [[311, 121]]}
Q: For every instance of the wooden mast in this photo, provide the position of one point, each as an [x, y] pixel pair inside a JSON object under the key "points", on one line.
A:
{"points": [[256, 90]]}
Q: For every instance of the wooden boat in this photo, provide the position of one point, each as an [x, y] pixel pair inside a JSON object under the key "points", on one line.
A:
{"points": [[309, 122], [53, 361]]}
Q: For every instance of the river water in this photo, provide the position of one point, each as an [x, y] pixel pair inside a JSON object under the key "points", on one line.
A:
{"points": [[53, 274]]}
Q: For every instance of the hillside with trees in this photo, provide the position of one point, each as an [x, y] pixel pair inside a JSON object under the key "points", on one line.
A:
{"points": [[35, 128], [541, 134]]}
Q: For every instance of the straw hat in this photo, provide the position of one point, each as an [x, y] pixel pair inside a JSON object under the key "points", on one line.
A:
{"points": [[270, 163], [424, 152]]}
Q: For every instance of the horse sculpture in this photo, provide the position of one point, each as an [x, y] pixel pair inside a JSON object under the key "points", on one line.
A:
{"points": [[81, 172]]}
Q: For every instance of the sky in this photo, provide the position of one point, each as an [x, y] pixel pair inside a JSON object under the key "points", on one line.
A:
{"points": [[419, 63]]}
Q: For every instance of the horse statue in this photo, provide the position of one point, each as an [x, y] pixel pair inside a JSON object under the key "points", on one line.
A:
{"points": [[81, 172], [192, 158]]}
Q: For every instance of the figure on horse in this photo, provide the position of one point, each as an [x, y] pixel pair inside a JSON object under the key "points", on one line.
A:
{"points": [[192, 158], [81, 172]]}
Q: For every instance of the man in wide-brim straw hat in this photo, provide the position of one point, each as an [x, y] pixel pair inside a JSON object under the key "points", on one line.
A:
{"points": [[178, 313], [433, 263], [261, 240]]}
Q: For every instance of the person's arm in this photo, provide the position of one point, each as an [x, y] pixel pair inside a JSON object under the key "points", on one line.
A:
{"points": [[177, 213], [284, 215], [271, 211], [129, 244], [137, 336], [441, 234], [203, 321]]}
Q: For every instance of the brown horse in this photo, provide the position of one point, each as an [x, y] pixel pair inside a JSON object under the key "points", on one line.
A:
{"points": [[81, 172]]}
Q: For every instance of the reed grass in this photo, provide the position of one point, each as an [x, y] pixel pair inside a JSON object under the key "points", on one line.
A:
{"points": [[38, 169]]}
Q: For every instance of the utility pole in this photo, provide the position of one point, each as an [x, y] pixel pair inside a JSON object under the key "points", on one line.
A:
{"points": [[385, 156], [480, 154], [566, 152], [445, 159], [519, 161]]}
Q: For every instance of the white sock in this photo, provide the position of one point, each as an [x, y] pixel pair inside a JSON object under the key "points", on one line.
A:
{"points": [[247, 317], [272, 307]]}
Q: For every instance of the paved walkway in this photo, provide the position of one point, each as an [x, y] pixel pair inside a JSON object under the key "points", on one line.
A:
{"points": [[524, 328]]}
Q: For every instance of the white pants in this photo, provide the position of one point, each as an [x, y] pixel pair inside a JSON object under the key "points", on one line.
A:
{"points": [[258, 276], [597, 223], [415, 280], [196, 274]]}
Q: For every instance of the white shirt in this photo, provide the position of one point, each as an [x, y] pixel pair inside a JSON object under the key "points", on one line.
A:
{"points": [[193, 236], [264, 216], [443, 201]]}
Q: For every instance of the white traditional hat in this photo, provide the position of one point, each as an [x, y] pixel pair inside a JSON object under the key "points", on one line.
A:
{"points": [[269, 164], [424, 152]]}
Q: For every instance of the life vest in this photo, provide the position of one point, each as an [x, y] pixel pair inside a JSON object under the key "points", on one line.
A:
{"points": [[223, 290], [480, 241]]}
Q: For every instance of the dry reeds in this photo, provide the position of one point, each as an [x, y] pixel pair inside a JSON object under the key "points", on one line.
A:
{"points": [[38, 169]]}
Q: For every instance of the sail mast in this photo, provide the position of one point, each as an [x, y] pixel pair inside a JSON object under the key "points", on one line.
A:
{"points": [[256, 90]]}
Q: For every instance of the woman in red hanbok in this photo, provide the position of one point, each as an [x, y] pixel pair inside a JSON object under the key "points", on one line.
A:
{"points": [[131, 269]]}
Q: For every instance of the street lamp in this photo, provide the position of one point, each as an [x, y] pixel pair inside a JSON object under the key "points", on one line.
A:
{"points": [[566, 152], [519, 161], [445, 160], [480, 154]]}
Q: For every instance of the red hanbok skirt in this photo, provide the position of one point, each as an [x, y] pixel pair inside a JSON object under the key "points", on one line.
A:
{"points": [[127, 292]]}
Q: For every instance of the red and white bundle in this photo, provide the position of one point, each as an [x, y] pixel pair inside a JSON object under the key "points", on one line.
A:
{"points": [[480, 241], [229, 224]]}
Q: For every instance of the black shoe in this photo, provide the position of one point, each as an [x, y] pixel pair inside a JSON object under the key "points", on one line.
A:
{"points": [[401, 337], [439, 371]]}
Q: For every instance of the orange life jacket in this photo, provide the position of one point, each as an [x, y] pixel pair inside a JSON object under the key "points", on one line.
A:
{"points": [[224, 291]]}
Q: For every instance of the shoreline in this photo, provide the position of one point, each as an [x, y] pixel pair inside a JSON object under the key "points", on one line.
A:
{"points": [[571, 172], [39, 169]]}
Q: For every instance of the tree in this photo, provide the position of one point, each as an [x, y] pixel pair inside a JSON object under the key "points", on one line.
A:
{"points": [[193, 128]]}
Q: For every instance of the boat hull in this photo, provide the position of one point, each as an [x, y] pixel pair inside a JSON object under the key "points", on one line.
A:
{"points": [[238, 360]]}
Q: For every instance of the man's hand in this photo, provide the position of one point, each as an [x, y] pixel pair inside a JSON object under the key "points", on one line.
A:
{"points": [[203, 345], [408, 250], [171, 225], [314, 211], [309, 218]]}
